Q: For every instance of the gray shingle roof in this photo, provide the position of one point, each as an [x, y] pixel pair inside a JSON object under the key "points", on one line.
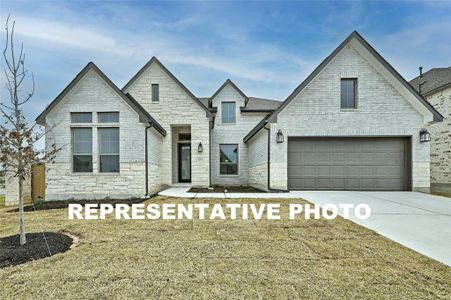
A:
{"points": [[261, 104], [253, 105], [433, 79], [204, 101]]}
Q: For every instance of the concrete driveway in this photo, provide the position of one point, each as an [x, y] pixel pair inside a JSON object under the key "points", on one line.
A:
{"points": [[419, 221]]}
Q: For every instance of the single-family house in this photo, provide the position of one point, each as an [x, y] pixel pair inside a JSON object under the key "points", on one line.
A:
{"points": [[353, 124]]}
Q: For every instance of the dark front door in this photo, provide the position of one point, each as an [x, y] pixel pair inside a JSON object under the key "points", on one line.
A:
{"points": [[184, 162]]}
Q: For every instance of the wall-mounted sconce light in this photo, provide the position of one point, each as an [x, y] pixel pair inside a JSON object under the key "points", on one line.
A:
{"points": [[200, 148], [425, 136], [280, 136]]}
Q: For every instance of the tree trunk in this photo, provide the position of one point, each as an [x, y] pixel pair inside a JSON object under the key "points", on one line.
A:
{"points": [[21, 217]]}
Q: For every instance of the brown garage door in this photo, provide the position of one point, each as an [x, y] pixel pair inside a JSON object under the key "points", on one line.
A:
{"points": [[348, 163]]}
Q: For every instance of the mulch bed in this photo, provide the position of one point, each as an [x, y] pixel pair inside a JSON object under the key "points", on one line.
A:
{"points": [[12, 254], [227, 189], [45, 205]]}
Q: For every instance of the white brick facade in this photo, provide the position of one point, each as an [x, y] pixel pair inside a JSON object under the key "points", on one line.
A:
{"points": [[232, 134], [381, 111]]}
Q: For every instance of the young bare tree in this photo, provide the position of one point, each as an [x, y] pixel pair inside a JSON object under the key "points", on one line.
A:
{"points": [[17, 136]]}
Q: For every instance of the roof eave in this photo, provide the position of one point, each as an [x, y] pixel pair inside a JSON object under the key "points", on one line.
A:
{"points": [[256, 129], [242, 109], [144, 116]]}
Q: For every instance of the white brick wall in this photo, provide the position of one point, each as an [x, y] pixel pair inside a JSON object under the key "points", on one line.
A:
{"points": [[258, 160], [92, 94], [174, 109], [441, 141], [382, 111], [232, 134]]}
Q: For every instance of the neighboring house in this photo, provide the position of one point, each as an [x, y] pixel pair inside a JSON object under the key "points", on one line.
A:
{"points": [[353, 124], [435, 87]]}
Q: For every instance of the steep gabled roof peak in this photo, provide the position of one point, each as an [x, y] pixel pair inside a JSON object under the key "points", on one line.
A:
{"points": [[231, 83], [154, 59]]}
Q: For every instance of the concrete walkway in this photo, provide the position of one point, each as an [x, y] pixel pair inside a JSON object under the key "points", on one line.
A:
{"points": [[418, 221]]}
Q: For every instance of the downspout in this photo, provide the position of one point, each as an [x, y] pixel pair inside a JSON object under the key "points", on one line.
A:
{"points": [[147, 158], [209, 153], [269, 156], [269, 162]]}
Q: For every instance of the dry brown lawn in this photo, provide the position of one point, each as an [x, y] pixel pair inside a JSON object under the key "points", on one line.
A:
{"points": [[220, 259], [443, 194]]}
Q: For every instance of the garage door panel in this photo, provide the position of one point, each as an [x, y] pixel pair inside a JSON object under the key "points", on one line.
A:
{"points": [[389, 172], [366, 157], [346, 163], [366, 171], [323, 157], [337, 170], [307, 157], [337, 157], [366, 183], [337, 183], [308, 183]]}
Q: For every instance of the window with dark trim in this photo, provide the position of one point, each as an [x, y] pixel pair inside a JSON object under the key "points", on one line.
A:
{"points": [[108, 150], [81, 117], [228, 112], [108, 117], [82, 149], [228, 159], [349, 93], [155, 93]]}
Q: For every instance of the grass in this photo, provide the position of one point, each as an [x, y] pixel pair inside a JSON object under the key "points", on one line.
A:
{"points": [[221, 259], [2, 200], [443, 194]]}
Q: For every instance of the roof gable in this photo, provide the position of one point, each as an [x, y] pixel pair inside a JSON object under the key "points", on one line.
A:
{"points": [[375, 58], [184, 88], [144, 116], [233, 85]]}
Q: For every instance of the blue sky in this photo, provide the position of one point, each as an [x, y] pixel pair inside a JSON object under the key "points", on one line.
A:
{"points": [[266, 48]]}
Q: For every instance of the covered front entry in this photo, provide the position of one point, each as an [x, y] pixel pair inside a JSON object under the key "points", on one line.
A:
{"points": [[340, 163]]}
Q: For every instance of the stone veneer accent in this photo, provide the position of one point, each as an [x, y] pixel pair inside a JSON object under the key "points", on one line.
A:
{"points": [[258, 160], [441, 141], [175, 109], [92, 94]]}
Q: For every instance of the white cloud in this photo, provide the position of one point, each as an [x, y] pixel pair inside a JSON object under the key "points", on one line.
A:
{"points": [[69, 35], [423, 45], [242, 62]]}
